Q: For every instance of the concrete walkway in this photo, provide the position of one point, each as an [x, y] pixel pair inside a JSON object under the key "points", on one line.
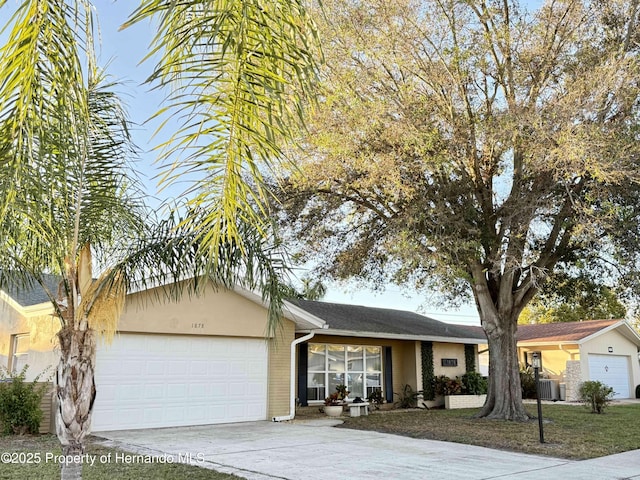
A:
{"points": [[315, 450]]}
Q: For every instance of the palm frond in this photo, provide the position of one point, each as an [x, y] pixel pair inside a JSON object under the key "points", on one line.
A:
{"points": [[170, 262], [238, 72]]}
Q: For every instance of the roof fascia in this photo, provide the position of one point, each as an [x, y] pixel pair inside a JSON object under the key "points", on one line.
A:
{"points": [[398, 336], [290, 311], [530, 343]]}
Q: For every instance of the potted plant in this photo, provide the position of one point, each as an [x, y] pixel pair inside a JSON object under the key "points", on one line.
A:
{"points": [[333, 403]]}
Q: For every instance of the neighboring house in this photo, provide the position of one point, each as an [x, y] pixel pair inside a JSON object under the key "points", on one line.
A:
{"points": [[206, 359], [573, 352]]}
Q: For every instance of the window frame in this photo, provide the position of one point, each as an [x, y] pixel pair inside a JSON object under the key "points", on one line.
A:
{"points": [[19, 353], [344, 371]]}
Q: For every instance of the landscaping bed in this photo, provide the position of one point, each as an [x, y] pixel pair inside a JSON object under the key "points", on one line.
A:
{"points": [[570, 431]]}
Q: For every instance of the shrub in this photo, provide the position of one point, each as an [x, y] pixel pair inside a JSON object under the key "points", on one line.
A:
{"points": [[528, 383], [20, 411], [474, 384], [637, 391], [407, 398], [596, 395], [427, 371], [448, 386], [376, 399]]}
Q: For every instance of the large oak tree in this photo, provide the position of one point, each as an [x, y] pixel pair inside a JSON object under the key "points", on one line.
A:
{"points": [[472, 147]]}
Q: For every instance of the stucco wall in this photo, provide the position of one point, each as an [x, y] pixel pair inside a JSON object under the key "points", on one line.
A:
{"points": [[41, 327], [448, 350], [220, 312]]}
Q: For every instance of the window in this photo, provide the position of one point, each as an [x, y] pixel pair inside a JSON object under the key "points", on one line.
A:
{"points": [[20, 352], [358, 367]]}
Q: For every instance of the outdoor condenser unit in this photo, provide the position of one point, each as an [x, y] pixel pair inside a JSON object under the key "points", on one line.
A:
{"points": [[548, 389]]}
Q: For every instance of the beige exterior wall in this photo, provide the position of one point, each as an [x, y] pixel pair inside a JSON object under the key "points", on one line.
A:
{"points": [[448, 350], [619, 345], [554, 358], [220, 312], [41, 327], [279, 390]]}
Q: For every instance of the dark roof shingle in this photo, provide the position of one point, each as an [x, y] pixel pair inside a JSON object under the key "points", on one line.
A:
{"points": [[33, 293], [356, 318]]}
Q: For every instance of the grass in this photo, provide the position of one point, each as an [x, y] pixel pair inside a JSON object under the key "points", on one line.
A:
{"points": [[569, 431], [112, 470]]}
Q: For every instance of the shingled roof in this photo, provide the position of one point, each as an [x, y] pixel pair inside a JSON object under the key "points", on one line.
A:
{"points": [[356, 319], [562, 332], [33, 294]]}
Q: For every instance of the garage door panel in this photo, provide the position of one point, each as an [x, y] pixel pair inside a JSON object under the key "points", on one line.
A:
{"points": [[146, 381], [612, 370]]}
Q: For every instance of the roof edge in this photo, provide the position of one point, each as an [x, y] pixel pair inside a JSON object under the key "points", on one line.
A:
{"points": [[399, 336]]}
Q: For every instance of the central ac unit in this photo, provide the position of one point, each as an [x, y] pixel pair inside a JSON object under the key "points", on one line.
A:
{"points": [[548, 389]]}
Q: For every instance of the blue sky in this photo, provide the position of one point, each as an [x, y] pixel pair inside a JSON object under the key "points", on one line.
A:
{"points": [[122, 51]]}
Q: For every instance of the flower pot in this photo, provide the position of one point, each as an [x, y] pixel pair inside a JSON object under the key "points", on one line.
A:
{"points": [[333, 410]]}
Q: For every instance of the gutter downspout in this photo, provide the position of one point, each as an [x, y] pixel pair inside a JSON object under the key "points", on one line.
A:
{"points": [[292, 384]]}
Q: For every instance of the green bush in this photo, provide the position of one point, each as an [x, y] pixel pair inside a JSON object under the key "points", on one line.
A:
{"points": [[474, 384], [596, 395], [448, 386], [528, 383], [20, 411], [407, 398]]}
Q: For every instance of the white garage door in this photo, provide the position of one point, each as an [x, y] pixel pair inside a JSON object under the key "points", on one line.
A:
{"points": [[146, 381], [612, 370]]}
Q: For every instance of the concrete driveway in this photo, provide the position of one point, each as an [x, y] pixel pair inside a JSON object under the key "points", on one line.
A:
{"points": [[316, 450]]}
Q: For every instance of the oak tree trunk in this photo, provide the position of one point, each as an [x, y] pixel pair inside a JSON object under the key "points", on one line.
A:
{"points": [[75, 391], [504, 398]]}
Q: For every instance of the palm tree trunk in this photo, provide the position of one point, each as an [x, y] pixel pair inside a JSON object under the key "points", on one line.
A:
{"points": [[76, 392]]}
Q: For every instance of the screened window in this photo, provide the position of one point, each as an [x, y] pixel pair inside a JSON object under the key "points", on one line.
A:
{"points": [[357, 367]]}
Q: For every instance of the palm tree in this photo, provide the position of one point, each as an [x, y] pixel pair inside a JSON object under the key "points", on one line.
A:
{"points": [[237, 73], [69, 204]]}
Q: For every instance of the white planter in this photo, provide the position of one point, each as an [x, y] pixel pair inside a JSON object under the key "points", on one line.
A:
{"points": [[464, 401], [333, 410], [438, 401]]}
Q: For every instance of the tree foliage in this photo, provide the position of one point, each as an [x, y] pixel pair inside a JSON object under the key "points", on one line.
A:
{"points": [[564, 298], [472, 147]]}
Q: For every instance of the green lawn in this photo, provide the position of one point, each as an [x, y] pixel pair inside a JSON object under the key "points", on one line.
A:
{"points": [[569, 431], [39, 450]]}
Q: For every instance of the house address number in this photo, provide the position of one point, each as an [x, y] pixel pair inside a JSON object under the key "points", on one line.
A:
{"points": [[449, 362], [197, 325]]}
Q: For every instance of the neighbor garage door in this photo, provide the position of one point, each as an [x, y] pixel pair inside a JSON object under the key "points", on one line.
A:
{"points": [[146, 381], [612, 370]]}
